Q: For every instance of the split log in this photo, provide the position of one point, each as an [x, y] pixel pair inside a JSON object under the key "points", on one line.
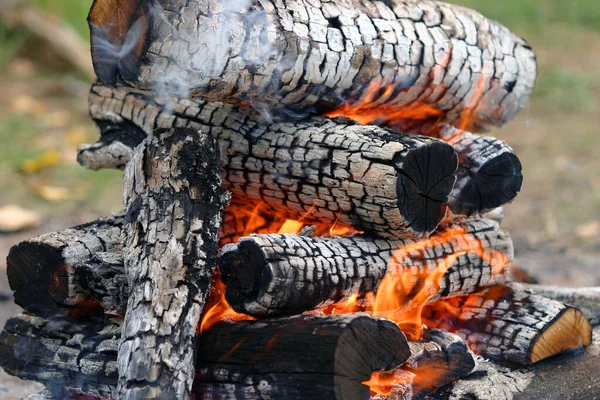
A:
{"points": [[41, 271], [65, 355], [320, 170], [586, 300], [488, 175], [174, 203], [506, 323], [288, 274], [297, 357], [297, 55]]}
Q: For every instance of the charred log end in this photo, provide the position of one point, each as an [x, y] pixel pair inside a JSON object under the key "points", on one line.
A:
{"points": [[421, 199], [33, 271], [119, 34], [460, 359], [244, 275], [367, 345], [497, 182], [569, 330]]}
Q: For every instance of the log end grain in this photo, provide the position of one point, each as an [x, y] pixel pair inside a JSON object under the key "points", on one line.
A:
{"points": [[422, 199], [569, 330]]}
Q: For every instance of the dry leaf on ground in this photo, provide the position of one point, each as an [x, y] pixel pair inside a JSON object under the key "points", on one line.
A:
{"points": [[14, 218]]}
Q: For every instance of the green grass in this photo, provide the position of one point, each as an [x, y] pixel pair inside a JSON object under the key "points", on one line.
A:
{"points": [[72, 12], [566, 89]]}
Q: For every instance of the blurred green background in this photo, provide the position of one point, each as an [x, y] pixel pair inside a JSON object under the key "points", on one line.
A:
{"points": [[555, 221]]}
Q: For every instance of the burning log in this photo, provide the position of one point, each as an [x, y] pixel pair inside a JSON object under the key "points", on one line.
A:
{"points": [[488, 175], [175, 201], [436, 360], [297, 55], [507, 323], [41, 271], [288, 274], [259, 357], [319, 170]]}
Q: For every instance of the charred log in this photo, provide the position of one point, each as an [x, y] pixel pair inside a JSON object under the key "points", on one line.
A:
{"points": [[174, 203], [507, 323], [320, 170], [41, 271], [251, 359], [295, 55], [65, 355], [288, 274], [259, 357], [488, 175]]}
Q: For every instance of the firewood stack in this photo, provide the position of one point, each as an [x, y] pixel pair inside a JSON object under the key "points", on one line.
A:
{"points": [[310, 161]]}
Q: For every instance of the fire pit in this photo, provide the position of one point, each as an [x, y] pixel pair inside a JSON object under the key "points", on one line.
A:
{"points": [[308, 214]]}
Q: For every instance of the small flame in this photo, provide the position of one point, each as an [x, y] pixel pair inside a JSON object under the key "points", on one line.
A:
{"points": [[217, 308], [290, 226], [369, 109]]}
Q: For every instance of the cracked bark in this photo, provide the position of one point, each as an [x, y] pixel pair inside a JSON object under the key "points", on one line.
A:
{"points": [[297, 54], [174, 203], [509, 324], [41, 271], [319, 170], [288, 274]]}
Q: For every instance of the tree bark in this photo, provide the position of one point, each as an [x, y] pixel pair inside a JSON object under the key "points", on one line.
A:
{"points": [[509, 324], [174, 203], [287, 274], [41, 271], [297, 54], [319, 170]]}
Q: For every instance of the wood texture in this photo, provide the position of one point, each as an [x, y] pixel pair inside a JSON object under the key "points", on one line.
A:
{"points": [[299, 53], [288, 274], [41, 271], [319, 170], [174, 203], [63, 354], [507, 323]]}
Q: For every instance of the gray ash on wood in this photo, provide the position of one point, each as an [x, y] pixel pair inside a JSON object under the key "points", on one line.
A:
{"points": [[175, 202], [296, 54], [321, 170], [288, 274]]}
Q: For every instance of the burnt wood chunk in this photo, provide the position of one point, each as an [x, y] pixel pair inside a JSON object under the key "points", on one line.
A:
{"points": [[174, 203], [319, 170], [65, 355], [41, 270], [508, 323], [297, 55], [437, 359], [488, 176], [288, 274], [298, 357]]}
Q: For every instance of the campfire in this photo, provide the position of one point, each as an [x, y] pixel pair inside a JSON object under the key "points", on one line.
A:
{"points": [[308, 213]]}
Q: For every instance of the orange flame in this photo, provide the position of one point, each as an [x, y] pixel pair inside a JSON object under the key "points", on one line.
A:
{"points": [[217, 309], [407, 287]]}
